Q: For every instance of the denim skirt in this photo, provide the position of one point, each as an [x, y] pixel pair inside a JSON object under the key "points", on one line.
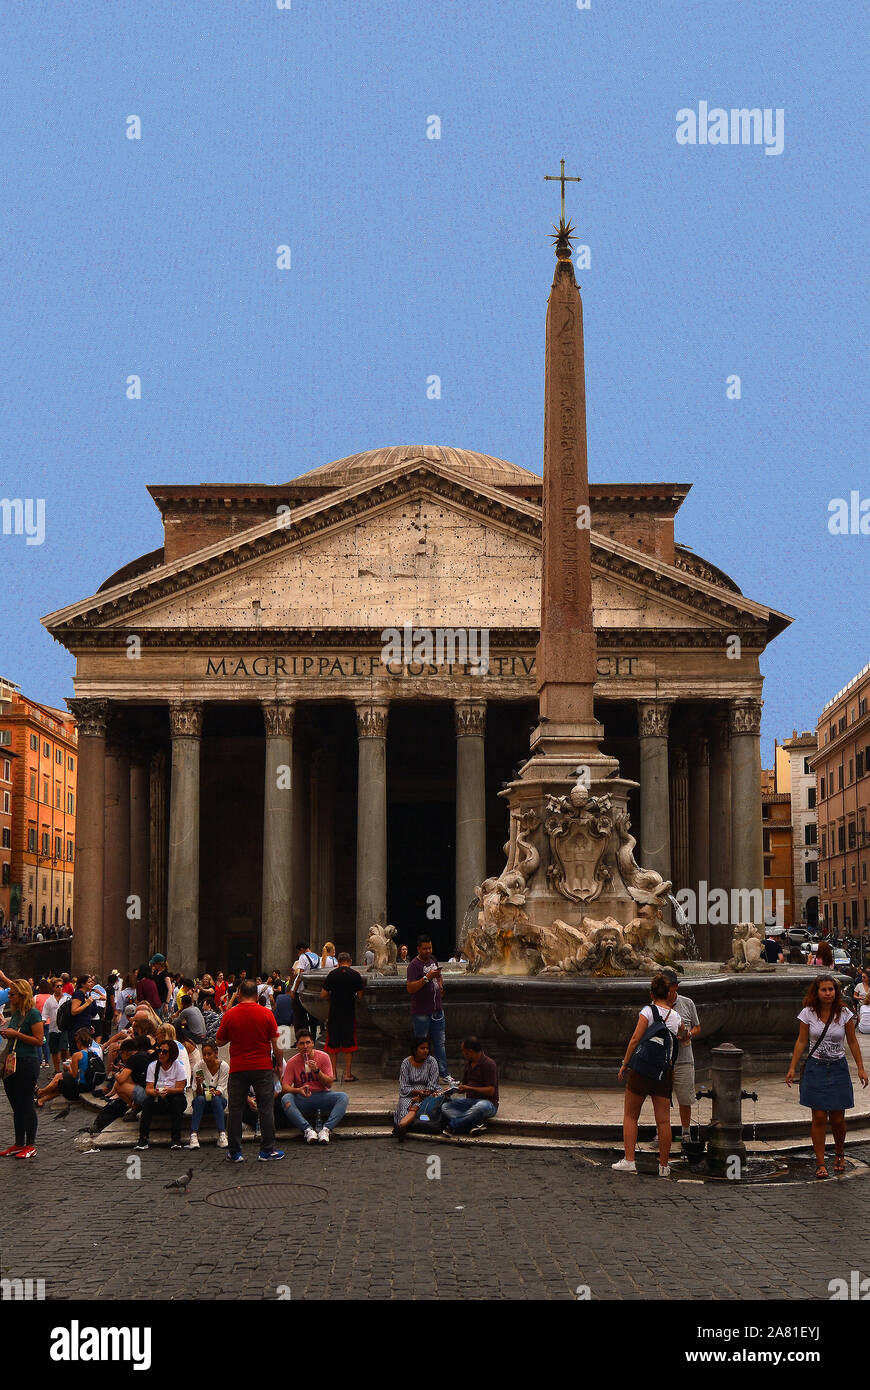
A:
{"points": [[827, 1085]]}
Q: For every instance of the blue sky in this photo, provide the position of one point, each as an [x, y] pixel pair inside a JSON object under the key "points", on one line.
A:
{"points": [[413, 257]]}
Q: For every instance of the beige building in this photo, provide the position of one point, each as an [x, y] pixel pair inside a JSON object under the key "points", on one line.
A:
{"points": [[800, 780], [296, 717]]}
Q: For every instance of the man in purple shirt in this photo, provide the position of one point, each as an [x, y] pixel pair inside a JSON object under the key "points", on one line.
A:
{"points": [[426, 988], [477, 1099]]}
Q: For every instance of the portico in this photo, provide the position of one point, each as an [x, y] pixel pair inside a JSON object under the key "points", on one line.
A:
{"points": [[263, 770]]}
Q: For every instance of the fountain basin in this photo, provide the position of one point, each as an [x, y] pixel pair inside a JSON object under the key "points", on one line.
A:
{"points": [[532, 1025]]}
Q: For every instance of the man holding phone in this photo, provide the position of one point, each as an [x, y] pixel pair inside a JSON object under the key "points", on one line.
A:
{"points": [[425, 985]]}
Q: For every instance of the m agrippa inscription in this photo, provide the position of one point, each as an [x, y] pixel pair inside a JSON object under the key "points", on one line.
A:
{"points": [[344, 665]]}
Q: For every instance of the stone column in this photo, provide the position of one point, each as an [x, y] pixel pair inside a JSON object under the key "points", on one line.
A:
{"points": [[655, 818], [322, 858], [680, 817], [720, 803], [157, 847], [87, 944], [139, 836], [182, 927], [371, 821], [747, 860], [470, 803], [699, 811], [276, 943], [116, 878]]}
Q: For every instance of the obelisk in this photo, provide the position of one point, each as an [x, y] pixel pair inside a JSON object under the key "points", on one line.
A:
{"points": [[566, 745]]}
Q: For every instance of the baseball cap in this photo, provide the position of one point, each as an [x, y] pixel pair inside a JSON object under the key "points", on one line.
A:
{"points": [[157, 960]]}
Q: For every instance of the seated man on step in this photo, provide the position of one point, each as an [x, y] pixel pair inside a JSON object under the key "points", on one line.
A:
{"points": [[476, 1096], [306, 1089]]}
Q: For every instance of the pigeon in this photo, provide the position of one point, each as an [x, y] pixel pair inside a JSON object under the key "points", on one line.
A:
{"points": [[62, 1113], [179, 1184]]}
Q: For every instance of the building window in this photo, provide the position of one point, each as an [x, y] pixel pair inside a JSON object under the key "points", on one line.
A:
{"points": [[45, 800], [58, 755], [862, 706], [824, 844], [7, 770], [830, 784], [807, 766], [71, 764], [811, 871], [853, 837], [31, 841], [58, 793], [46, 751], [6, 803], [811, 798], [864, 872], [46, 842], [69, 850], [841, 839], [841, 726], [859, 765], [766, 838], [833, 878], [811, 834], [44, 884], [853, 873], [34, 743], [58, 846], [70, 803], [840, 777], [851, 774], [7, 837], [826, 881]]}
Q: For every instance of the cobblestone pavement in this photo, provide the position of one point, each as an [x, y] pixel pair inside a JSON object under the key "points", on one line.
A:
{"points": [[497, 1224]]}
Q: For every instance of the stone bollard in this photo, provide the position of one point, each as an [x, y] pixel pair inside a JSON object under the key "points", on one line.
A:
{"points": [[726, 1151]]}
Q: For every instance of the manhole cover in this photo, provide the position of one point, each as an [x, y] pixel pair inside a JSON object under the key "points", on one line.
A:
{"points": [[266, 1194]]}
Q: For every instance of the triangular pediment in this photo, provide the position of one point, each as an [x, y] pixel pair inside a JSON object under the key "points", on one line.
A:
{"points": [[415, 543]]}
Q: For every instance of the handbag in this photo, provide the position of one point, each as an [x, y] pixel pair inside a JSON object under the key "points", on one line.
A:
{"points": [[8, 1060]]}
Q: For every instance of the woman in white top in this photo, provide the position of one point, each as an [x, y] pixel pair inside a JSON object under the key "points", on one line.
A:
{"points": [[211, 1079], [825, 1085], [638, 1086], [164, 1092]]}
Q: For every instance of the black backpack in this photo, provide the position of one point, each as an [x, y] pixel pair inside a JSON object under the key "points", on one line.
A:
{"points": [[63, 1021], [656, 1052]]}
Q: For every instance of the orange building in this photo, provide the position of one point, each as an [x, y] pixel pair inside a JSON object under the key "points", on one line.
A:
{"points": [[842, 768], [7, 690], [776, 832], [43, 744]]}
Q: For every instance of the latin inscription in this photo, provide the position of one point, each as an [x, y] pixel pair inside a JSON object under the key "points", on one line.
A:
{"points": [[345, 667]]}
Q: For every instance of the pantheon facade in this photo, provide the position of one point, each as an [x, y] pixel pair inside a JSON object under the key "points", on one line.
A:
{"points": [[256, 768]]}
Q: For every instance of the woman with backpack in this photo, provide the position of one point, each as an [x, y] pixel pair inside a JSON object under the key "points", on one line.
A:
{"points": [[647, 1070], [825, 1084]]}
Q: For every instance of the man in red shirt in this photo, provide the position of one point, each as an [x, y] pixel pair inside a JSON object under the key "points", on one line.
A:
{"points": [[306, 1089], [252, 1034]]}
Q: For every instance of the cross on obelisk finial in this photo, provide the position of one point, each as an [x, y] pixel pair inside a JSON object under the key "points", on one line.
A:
{"points": [[562, 178]]}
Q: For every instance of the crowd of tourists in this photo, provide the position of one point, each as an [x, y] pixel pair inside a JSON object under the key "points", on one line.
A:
{"points": [[243, 1051], [246, 1053]]}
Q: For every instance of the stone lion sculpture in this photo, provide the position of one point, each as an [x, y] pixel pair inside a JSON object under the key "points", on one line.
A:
{"points": [[382, 941], [747, 948]]}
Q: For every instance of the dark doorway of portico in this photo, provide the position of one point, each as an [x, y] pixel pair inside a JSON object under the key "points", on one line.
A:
{"points": [[421, 824]]}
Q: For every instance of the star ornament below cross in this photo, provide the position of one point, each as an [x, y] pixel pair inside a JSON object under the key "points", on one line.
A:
{"points": [[563, 237]]}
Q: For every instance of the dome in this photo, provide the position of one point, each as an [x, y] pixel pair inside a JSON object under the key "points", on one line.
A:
{"points": [[482, 467]]}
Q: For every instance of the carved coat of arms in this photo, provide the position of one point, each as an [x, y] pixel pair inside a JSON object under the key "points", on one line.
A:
{"points": [[579, 827]]}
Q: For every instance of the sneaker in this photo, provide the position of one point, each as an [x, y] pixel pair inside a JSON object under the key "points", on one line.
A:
{"points": [[143, 1144], [448, 1080], [194, 1141], [29, 1151], [310, 1135], [399, 1132], [623, 1166], [222, 1140], [448, 1132], [235, 1158], [176, 1146], [478, 1129], [131, 1115], [664, 1171], [11, 1151], [266, 1155], [323, 1136]]}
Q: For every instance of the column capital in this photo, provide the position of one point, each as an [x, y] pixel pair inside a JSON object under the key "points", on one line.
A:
{"points": [[470, 718], [185, 718], [653, 717], [744, 716], [371, 718], [92, 716], [680, 762], [278, 718]]}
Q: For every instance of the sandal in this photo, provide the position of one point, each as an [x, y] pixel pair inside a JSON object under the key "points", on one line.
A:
{"points": [[839, 1163], [822, 1172]]}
